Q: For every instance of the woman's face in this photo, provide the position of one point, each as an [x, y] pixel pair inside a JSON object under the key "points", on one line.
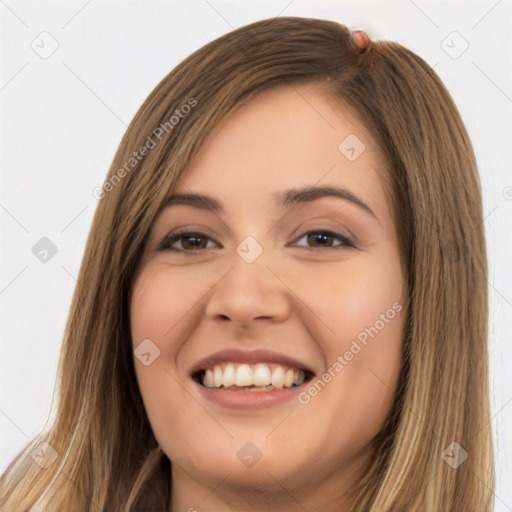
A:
{"points": [[271, 284]]}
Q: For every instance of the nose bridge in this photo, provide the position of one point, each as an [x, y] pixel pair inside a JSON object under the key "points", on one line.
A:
{"points": [[249, 272], [250, 250], [249, 289]]}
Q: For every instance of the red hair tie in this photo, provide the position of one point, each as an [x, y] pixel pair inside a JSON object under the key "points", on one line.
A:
{"points": [[359, 40]]}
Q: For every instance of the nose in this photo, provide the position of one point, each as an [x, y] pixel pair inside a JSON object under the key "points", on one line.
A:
{"points": [[249, 292]]}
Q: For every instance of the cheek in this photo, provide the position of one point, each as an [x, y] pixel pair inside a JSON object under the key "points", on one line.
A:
{"points": [[161, 309], [350, 298], [166, 307], [160, 299], [362, 306]]}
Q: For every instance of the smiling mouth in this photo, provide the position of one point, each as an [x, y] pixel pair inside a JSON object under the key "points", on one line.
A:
{"points": [[251, 377]]}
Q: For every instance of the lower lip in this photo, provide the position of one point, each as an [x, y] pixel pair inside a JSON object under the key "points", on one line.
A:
{"points": [[250, 399]]}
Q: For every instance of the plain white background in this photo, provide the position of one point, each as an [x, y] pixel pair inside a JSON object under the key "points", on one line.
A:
{"points": [[63, 116]]}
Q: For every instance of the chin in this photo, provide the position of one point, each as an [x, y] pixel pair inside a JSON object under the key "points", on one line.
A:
{"points": [[242, 465]]}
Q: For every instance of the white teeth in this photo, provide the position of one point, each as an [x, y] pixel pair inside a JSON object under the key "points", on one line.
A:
{"points": [[258, 377], [262, 375], [217, 376], [228, 377], [243, 375], [278, 377], [288, 378], [208, 379]]}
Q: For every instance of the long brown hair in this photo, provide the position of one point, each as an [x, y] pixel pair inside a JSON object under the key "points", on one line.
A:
{"points": [[107, 457]]}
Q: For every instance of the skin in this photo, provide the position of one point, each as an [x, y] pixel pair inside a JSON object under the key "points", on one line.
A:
{"points": [[301, 297]]}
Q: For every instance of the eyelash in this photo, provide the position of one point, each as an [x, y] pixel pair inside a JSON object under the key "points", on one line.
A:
{"points": [[171, 238]]}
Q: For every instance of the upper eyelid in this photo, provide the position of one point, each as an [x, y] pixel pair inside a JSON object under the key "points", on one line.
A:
{"points": [[345, 231], [184, 232]]}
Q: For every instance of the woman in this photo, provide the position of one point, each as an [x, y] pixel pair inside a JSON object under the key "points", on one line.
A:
{"points": [[258, 368]]}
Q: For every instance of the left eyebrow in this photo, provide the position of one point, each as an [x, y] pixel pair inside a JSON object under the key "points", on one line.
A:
{"points": [[287, 199], [293, 197]]}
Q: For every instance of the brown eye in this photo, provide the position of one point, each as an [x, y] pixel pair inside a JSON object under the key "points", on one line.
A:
{"points": [[191, 241], [195, 241], [320, 239]]}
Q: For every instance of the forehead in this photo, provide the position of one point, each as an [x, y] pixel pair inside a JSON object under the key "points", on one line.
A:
{"points": [[288, 137]]}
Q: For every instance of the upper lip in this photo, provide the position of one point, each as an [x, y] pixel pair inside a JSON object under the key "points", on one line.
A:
{"points": [[250, 357]]}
